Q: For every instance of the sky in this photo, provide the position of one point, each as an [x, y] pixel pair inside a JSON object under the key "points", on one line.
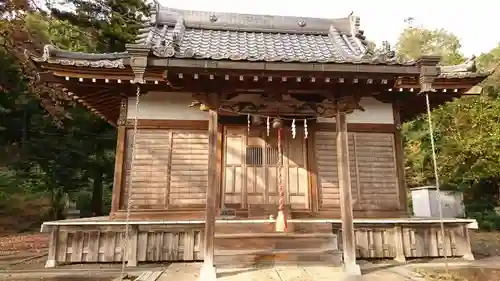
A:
{"points": [[474, 22]]}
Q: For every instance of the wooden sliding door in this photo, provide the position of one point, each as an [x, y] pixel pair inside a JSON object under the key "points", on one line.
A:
{"points": [[252, 165]]}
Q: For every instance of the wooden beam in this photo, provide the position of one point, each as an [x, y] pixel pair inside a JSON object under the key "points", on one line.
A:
{"points": [[168, 124], [207, 65], [441, 83], [204, 84], [347, 217], [358, 127], [208, 271]]}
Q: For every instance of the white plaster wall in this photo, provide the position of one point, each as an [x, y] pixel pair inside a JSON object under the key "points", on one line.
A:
{"points": [[165, 106], [175, 106], [376, 112]]}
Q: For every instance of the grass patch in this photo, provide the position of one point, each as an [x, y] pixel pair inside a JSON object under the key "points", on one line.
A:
{"points": [[440, 276], [471, 273]]}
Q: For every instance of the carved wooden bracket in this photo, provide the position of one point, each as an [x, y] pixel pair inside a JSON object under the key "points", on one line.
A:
{"points": [[122, 119], [206, 101], [343, 104]]}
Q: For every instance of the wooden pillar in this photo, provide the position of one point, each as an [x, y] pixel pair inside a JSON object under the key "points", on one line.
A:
{"points": [[119, 159], [346, 212], [399, 245], [400, 165], [208, 271], [313, 168], [119, 169], [132, 245], [465, 244]]}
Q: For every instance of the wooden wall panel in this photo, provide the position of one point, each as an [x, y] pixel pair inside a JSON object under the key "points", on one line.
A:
{"points": [[189, 168], [372, 167], [170, 169], [376, 171], [150, 175], [327, 178], [162, 243], [97, 244], [416, 240]]}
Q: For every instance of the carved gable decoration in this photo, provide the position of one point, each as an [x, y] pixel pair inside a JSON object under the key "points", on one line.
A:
{"points": [[279, 104]]}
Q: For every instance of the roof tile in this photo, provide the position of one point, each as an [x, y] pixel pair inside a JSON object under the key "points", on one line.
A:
{"points": [[207, 35]]}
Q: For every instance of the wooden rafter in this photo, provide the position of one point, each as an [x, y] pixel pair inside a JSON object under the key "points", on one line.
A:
{"points": [[101, 90]]}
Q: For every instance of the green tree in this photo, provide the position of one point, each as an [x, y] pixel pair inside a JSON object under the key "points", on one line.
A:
{"points": [[52, 158], [111, 23], [416, 41], [466, 131], [467, 138], [487, 62]]}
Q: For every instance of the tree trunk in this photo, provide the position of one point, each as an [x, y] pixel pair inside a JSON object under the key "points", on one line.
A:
{"points": [[96, 202], [57, 204]]}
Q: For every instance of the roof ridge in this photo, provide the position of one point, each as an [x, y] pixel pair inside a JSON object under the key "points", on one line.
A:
{"points": [[162, 15]]}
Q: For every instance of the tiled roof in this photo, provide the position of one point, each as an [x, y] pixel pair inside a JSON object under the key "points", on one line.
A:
{"points": [[172, 33], [467, 69], [207, 35], [54, 55], [253, 46]]}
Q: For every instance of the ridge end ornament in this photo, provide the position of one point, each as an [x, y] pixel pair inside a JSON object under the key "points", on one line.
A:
{"points": [[138, 62], [429, 70], [138, 65]]}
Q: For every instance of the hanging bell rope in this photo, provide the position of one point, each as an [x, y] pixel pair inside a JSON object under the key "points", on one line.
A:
{"points": [[438, 189], [129, 187], [281, 224]]}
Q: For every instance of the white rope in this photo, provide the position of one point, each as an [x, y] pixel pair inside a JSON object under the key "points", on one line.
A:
{"points": [[129, 189], [436, 177], [269, 116]]}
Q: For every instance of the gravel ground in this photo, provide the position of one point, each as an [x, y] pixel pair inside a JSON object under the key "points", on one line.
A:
{"points": [[23, 250], [485, 244]]}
